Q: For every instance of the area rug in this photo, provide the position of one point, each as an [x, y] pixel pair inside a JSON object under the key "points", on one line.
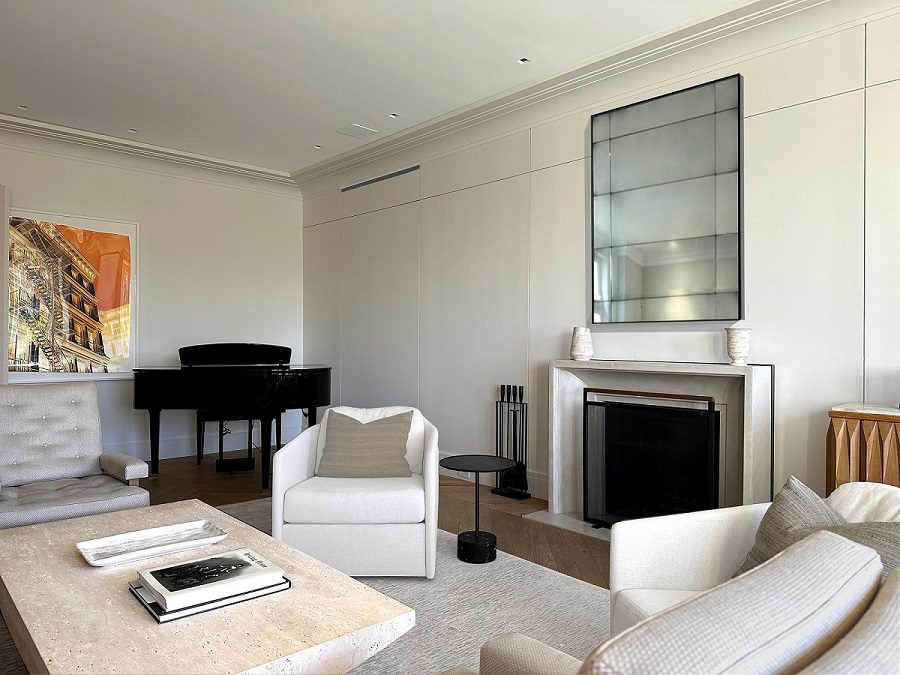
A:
{"points": [[458, 610], [465, 605]]}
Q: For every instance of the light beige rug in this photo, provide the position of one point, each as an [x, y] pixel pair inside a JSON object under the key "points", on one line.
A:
{"points": [[465, 605]]}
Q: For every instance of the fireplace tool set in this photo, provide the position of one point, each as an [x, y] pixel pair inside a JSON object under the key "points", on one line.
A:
{"points": [[512, 441]]}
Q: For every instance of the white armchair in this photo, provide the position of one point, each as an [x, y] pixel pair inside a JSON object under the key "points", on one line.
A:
{"points": [[656, 563], [361, 526]]}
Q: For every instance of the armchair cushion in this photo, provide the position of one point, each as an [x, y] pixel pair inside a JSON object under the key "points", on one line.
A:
{"points": [[633, 605], [797, 512], [356, 500], [778, 617], [375, 449], [124, 467], [517, 654], [415, 442], [48, 500], [862, 501]]}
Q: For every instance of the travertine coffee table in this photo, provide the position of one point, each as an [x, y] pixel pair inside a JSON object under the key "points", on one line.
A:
{"points": [[68, 617]]}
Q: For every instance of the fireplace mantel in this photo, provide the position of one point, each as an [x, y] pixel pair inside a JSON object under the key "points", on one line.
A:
{"points": [[746, 392]]}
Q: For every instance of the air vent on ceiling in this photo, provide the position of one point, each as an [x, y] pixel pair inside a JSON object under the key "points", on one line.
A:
{"points": [[392, 174], [357, 131]]}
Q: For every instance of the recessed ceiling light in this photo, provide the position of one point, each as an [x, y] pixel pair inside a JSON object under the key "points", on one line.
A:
{"points": [[523, 61], [22, 107], [393, 116], [132, 131]]}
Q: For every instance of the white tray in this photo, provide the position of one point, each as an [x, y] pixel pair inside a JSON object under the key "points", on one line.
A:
{"points": [[130, 546]]}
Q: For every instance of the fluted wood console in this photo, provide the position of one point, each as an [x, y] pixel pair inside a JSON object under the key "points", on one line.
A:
{"points": [[862, 445]]}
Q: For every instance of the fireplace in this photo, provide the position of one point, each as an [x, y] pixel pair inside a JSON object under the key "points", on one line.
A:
{"points": [[649, 458]]}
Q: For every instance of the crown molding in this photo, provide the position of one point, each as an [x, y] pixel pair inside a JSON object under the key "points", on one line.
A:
{"points": [[58, 133], [653, 49]]}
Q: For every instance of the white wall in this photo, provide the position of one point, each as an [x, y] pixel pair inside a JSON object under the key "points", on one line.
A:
{"points": [[219, 259], [821, 141]]}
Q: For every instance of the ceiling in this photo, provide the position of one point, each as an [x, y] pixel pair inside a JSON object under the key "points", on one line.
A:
{"points": [[262, 82]]}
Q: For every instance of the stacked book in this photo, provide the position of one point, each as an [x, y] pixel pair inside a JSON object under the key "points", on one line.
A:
{"points": [[175, 591]]}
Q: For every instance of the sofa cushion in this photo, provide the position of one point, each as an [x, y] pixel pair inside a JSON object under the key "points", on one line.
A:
{"points": [[415, 442], [49, 500], [873, 644], [48, 431], [778, 617], [356, 500], [633, 605], [796, 512], [374, 449]]}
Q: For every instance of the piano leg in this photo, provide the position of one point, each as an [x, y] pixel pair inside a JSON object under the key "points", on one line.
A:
{"points": [[311, 416], [265, 443], [154, 440]]}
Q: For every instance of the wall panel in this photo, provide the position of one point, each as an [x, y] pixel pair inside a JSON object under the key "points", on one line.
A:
{"points": [[882, 53], [474, 322], [500, 158], [380, 195], [322, 300], [557, 297], [882, 243], [562, 140], [804, 269], [379, 308]]}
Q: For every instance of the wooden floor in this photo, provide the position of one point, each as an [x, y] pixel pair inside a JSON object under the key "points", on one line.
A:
{"points": [[568, 552]]}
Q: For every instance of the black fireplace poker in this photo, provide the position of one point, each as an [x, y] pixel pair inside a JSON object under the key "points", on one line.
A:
{"points": [[512, 441]]}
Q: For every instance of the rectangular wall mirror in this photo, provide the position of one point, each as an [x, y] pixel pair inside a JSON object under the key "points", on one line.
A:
{"points": [[666, 208]]}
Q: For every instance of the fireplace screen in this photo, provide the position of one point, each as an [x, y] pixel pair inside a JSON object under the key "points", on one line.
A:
{"points": [[648, 460]]}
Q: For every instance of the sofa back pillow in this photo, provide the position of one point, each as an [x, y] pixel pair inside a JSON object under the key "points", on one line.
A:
{"points": [[777, 618], [796, 512]]}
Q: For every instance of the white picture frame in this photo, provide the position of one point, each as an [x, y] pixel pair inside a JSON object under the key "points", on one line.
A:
{"points": [[117, 353]]}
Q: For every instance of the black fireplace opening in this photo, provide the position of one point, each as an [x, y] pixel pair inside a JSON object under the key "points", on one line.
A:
{"points": [[648, 460]]}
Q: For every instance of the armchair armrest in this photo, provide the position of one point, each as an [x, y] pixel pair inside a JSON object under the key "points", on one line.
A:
{"points": [[432, 490], [520, 654], [687, 551], [124, 467], [292, 464]]}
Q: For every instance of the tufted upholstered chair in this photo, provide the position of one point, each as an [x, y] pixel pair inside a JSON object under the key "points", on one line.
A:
{"points": [[51, 461], [361, 526]]}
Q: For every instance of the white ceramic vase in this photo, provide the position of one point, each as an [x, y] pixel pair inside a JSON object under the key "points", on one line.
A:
{"points": [[737, 341], [582, 344]]}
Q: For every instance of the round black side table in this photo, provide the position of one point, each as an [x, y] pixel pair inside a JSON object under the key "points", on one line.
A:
{"points": [[477, 546]]}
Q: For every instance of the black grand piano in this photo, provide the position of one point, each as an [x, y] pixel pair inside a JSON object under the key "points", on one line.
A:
{"points": [[246, 380]]}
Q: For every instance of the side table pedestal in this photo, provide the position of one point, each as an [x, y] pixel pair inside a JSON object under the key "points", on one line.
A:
{"points": [[476, 547]]}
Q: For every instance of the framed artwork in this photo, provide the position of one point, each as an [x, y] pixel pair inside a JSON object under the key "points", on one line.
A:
{"points": [[71, 285]]}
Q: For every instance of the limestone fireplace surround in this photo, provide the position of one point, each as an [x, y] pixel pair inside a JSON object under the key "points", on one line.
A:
{"points": [[742, 394]]}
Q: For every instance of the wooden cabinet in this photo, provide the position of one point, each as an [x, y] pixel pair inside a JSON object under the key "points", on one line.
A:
{"points": [[862, 445]]}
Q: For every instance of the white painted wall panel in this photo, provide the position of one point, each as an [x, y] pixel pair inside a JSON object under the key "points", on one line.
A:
{"points": [[380, 308], [804, 268], [320, 208], [557, 290], [474, 321], [500, 158], [883, 50], [381, 195], [825, 66], [882, 243], [322, 300], [562, 140]]}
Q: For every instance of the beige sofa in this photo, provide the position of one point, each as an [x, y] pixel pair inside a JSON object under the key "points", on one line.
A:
{"points": [[52, 464], [808, 609]]}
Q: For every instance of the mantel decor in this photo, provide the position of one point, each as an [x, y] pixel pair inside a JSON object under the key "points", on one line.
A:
{"points": [[666, 208], [71, 289]]}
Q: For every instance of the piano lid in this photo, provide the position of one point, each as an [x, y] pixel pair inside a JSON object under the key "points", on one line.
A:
{"points": [[234, 354]]}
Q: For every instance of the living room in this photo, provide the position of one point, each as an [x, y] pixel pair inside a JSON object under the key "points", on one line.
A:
{"points": [[447, 253]]}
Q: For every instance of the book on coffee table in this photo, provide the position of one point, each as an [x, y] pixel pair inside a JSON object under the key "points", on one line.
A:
{"points": [[204, 580], [162, 616]]}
